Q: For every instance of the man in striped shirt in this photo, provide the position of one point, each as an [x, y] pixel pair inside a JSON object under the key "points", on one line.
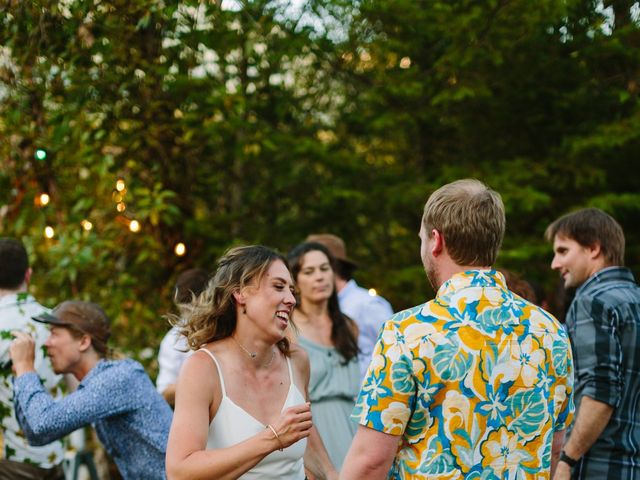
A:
{"points": [[603, 323]]}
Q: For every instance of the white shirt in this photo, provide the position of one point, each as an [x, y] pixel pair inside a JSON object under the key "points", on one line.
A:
{"points": [[369, 312], [16, 310], [173, 352]]}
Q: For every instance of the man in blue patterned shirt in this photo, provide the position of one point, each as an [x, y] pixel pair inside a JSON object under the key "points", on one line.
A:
{"points": [[603, 322], [131, 418]]}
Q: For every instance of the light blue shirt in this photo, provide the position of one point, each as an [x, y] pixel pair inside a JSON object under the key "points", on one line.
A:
{"points": [[132, 419], [369, 312]]}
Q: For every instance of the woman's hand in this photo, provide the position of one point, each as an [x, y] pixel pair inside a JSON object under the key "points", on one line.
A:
{"points": [[293, 425]]}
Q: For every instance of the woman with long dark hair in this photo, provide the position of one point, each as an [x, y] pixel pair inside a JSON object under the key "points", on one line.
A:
{"points": [[242, 406], [330, 339]]}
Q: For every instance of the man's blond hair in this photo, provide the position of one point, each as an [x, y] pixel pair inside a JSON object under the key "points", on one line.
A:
{"points": [[471, 218]]}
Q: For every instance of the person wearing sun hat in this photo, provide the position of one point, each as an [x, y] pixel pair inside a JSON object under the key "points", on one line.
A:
{"points": [[368, 311], [116, 396]]}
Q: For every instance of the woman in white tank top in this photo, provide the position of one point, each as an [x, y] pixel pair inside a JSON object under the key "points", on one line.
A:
{"points": [[241, 399]]}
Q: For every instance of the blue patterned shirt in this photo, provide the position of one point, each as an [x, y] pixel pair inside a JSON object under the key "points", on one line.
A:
{"points": [[604, 327], [131, 418]]}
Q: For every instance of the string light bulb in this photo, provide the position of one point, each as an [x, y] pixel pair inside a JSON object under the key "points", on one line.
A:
{"points": [[134, 226], [49, 232], [121, 207], [40, 154], [86, 224], [372, 292], [180, 249], [120, 186], [44, 199]]}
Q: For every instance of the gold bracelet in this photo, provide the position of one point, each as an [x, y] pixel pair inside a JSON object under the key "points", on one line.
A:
{"points": [[277, 437]]}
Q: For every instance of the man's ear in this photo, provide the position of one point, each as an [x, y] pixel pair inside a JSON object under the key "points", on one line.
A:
{"points": [[595, 250], [85, 342], [27, 276], [437, 245]]}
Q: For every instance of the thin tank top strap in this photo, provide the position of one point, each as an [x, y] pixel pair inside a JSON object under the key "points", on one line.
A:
{"points": [[224, 390], [290, 371]]}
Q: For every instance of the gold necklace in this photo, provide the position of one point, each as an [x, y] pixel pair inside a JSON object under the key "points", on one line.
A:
{"points": [[253, 355]]}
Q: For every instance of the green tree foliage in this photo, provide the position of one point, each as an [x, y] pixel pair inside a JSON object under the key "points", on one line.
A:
{"points": [[262, 121]]}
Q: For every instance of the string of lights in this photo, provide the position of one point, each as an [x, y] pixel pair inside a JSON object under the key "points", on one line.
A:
{"points": [[44, 199]]}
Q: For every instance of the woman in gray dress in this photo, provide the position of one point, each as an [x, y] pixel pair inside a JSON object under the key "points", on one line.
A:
{"points": [[330, 339]]}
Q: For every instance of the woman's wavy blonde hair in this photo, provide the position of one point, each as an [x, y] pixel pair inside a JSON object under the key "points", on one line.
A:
{"points": [[211, 315]]}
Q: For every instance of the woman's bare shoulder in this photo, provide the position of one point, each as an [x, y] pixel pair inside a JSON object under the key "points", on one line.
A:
{"points": [[298, 354]]}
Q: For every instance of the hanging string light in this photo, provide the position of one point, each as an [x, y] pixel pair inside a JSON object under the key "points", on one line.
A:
{"points": [[134, 226], [120, 185], [49, 232], [121, 207], [40, 154], [180, 249], [86, 224], [44, 199], [372, 292]]}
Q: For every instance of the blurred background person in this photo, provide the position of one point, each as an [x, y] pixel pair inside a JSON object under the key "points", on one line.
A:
{"points": [[330, 338], [519, 285], [116, 396], [18, 459], [241, 401], [367, 310], [173, 348]]}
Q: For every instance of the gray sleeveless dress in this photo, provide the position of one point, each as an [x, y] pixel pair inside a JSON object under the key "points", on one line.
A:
{"points": [[333, 388]]}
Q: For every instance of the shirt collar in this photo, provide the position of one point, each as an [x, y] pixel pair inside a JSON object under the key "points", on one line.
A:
{"points": [[349, 287], [472, 278], [15, 299], [606, 275], [97, 368]]}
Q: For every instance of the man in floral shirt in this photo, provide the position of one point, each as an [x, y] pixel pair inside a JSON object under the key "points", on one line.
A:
{"points": [[475, 384], [19, 460]]}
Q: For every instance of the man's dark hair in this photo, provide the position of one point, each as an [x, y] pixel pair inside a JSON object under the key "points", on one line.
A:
{"points": [[345, 270], [588, 227], [190, 283], [13, 263]]}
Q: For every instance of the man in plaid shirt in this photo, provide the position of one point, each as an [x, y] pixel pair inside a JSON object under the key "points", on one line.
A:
{"points": [[603, 322]]}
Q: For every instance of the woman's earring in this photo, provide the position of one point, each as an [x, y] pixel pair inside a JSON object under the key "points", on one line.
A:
{"points": [[244, 309]]}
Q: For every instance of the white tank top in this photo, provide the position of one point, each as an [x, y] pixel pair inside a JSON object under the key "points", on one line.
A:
{"points": [[232, 425]]}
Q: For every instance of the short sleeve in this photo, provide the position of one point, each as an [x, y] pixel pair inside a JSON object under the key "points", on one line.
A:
{"points": [[563, 387], [388, 390]]}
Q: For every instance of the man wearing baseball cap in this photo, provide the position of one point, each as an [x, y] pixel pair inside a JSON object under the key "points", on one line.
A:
{"points": [[116, 396], [368, 311]]}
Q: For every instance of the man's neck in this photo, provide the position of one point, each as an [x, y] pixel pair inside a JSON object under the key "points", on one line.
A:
{"points": [[340, 283], [598, 266], [450, 269], [21, 289], [85, 366]]}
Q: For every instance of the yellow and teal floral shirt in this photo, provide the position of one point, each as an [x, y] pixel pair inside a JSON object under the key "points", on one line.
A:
{"points": [[475, 383]]}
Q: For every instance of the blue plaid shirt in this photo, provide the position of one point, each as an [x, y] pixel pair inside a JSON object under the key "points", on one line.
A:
{"points": [[132, 419], [604, 327]]}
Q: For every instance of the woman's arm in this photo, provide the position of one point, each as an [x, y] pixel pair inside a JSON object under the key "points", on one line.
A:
{"points": [[316, 458], [187, 458]]}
